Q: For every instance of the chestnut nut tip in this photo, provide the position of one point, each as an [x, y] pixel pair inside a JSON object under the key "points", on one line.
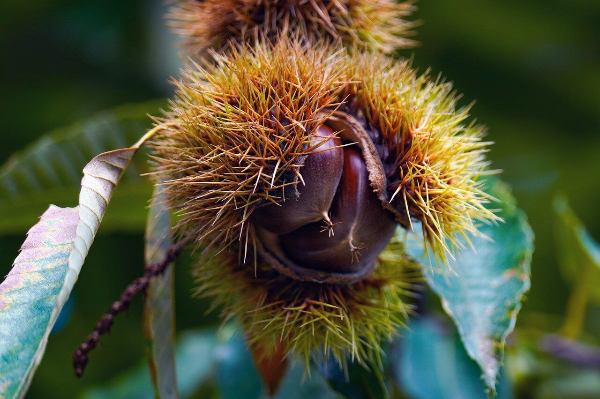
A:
{"points": [[319, 178], [337, 227]]}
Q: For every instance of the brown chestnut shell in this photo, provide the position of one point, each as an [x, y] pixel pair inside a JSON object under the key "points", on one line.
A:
{"points": [[320, 176], [361, 229]]}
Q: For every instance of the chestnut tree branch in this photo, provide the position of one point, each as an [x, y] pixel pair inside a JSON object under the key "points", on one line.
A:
{"points": [[80, 357]]}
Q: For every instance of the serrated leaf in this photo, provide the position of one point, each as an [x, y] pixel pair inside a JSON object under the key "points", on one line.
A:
{"points": [[49, 170], [579, 253], [159, 312], [28, 297], [483, 291], [46, 270], [431, 362]]}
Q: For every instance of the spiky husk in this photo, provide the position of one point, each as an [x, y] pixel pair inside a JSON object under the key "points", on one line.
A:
{"points": [[239, 129], [432, 156], [368, 24], [313, 321]]}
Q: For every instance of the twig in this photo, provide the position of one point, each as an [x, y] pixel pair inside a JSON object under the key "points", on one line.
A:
{"points": [[80, 357], [571, 351]]}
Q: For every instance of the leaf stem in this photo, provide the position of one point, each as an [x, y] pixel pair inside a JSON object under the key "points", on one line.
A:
{"points": [[80, 357], [150, 133]]}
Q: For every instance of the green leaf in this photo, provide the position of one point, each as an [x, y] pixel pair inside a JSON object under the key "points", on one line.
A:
{"points": [[296, 385], [236, 374], [359, 383], [205, 357], [48, 171], [159, 309], [482, 292], [47, 268], [432, 363], [194, 356], [579, 253], [28, 297]]}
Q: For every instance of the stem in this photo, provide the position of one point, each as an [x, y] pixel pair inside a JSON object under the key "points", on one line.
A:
{"points": [[150, 133], [80, 357], [577, 306]]}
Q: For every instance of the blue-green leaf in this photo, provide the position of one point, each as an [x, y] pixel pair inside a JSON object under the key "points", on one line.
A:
{"points": [[45, 272], [159, 312], [296, 385], [236, 374], [29, 297], [207, 358], [482, 292], [432, 363], [356, 382], [195, 358]]}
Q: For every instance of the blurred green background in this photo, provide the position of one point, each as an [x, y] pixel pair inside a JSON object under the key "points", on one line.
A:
{"points": [[533, 67]]}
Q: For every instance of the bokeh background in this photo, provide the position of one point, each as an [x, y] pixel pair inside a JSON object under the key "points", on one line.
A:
{"points": [[533, 67]]}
